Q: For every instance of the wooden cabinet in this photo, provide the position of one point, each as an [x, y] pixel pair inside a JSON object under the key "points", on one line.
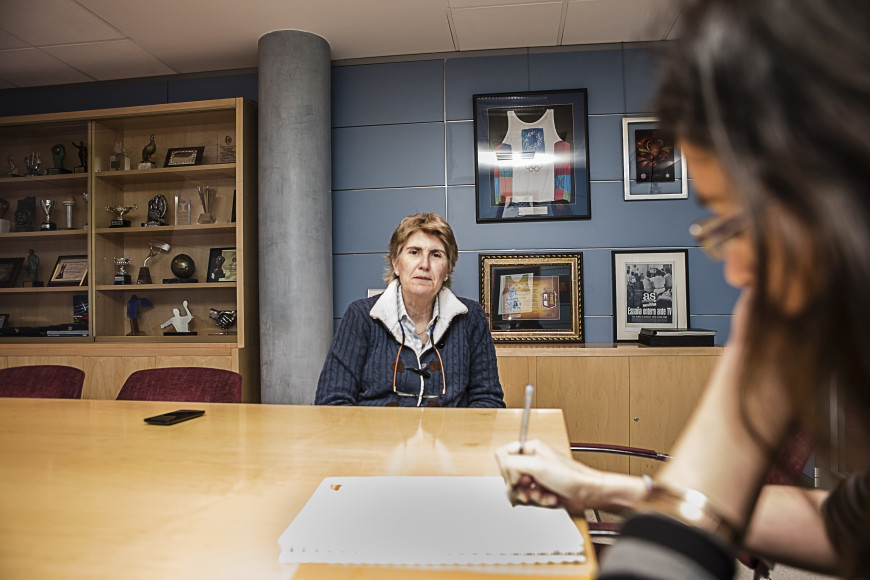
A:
{"points": [[624, 394], [222, 136]]}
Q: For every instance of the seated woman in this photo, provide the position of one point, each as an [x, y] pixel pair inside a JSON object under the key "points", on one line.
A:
{"points": [[417, 344], [749, 84]]}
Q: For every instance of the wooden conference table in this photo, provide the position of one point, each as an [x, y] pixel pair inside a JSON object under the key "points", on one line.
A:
{"points": [[88, 490]]}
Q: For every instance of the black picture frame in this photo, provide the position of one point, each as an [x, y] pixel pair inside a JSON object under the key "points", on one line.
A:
{"points": [[641, 300], [512, 186], [182, 156], [222, 265], [533, 298], [9, 270], [70, 271], [651, 173]]}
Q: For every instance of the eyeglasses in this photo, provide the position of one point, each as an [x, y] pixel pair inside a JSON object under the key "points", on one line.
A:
{"points": [[712, 232], [431, 400]]}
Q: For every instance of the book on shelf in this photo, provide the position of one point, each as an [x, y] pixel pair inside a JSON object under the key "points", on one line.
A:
{"points": [[676, 336]]}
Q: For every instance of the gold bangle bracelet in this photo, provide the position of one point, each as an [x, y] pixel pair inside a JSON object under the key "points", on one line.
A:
{"points": [[690, 507]]}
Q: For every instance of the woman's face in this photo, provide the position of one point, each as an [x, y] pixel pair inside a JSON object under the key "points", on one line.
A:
{"points": [[422, 266], [715, 191]]}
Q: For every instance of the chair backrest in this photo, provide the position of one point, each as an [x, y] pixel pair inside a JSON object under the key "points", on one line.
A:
{"points": [[42, 381], [184, 384]]}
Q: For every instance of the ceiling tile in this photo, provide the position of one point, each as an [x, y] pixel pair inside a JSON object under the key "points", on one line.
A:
{"points": [[30, 67], [110, 60], [53, 22], [596, 21], [507, 26], [10, 41]]}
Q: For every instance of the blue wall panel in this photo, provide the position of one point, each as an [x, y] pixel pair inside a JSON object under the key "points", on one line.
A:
{"points": [[387, 94], [605, 148], [642, 72], [205, 88], [388, 156], [363, 221], [66, 98], [352, 275], [466, 77], [598, 71], [460, 153]]}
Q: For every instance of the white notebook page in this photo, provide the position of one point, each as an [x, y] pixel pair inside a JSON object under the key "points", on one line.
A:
{"points": [[426, 521]]}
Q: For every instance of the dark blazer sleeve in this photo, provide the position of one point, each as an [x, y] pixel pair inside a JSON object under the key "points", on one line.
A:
{"points": [[484, 388], [341, 377]]}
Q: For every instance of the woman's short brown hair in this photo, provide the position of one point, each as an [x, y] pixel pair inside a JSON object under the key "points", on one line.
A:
{"points": [[428, 223]]}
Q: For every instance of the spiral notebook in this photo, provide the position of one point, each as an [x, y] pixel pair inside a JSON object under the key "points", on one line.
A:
{"points": [[426, 521]]}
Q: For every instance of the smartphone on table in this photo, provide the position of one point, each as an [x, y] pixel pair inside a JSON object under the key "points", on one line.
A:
{"points": [[174, 417]]}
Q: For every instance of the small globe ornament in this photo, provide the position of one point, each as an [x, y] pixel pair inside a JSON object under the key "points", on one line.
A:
{"points": [[183, 266]]}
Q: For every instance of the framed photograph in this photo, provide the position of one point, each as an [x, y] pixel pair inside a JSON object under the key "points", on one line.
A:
{"points": [[9, 269], [531, 156], [70, 271], [533, 297], [653, 166], [179, 156], [650, 290], [222, 265], [4, 318]]}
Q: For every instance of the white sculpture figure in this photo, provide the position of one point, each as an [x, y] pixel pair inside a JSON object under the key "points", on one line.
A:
{"points": [[180, 323]]}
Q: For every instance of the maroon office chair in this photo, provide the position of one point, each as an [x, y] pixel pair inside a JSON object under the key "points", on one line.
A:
{"points": [[786, 471], [42, 381], [183, 384]]}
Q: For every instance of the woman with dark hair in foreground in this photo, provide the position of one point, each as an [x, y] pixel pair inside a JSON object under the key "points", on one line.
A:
{"points": [[770, 102]]}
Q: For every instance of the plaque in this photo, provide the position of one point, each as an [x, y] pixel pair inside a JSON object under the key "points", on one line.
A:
{"points": [[183, 156], [182, 210], [25, 214]]}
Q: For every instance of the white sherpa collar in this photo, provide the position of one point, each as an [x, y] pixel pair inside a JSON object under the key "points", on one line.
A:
{"points": [[385, 311]]}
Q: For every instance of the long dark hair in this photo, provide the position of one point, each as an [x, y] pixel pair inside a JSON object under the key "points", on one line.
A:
{"points": [[779, 92]]}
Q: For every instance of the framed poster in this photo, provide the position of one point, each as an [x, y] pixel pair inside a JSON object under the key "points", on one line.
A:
{"points": [[531, 156], [652, 165], [533, 297], [650, 290], [222, 265]]}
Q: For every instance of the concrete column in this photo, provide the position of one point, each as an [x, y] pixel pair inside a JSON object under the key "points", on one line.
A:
{"points": [[295, 214]]}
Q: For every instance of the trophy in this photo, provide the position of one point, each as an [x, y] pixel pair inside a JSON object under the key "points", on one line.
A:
{"points": [[11, 171], [83, 157], [144, 273], [119, 221], [5, 224], [58, 152], [156, 210], [180, 323], [119, 160], [134, 308], [182, 210], [122, 277], [69, 203], [183, 267], [32, 269], [225, 319], [85, 199], [32, 162], [206, 197], [147, 152], [47, 205]]}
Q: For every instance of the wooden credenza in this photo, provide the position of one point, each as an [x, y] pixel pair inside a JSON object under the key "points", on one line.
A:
{"points": [[621, 394]]}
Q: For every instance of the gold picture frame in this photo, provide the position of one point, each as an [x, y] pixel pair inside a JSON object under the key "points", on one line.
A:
{"points": [[70, 271], [533, 298]]}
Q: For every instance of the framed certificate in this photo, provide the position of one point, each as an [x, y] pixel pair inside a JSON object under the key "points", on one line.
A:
{"points": [[70, 271], [181, 156]]}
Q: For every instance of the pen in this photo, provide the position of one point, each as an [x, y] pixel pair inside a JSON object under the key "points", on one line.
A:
{"points": [[527, 407]]}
